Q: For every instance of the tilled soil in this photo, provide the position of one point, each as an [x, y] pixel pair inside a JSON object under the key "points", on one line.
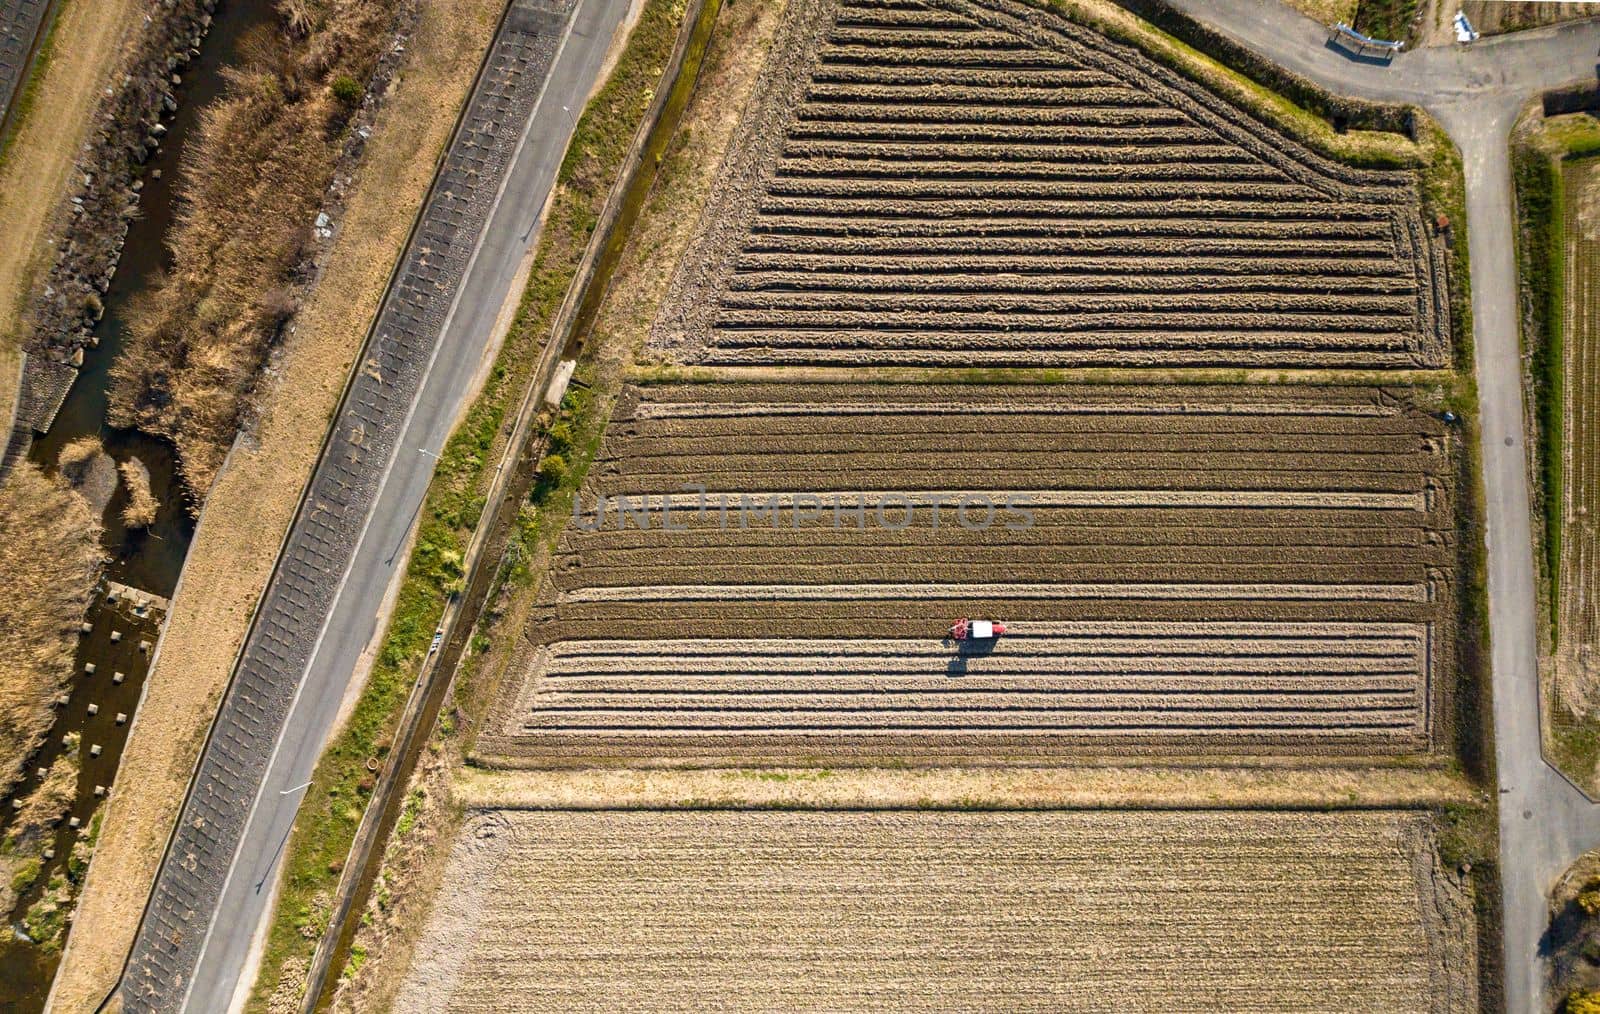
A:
{"points": [[1196, 568], [952, 182], [1042, 911]]}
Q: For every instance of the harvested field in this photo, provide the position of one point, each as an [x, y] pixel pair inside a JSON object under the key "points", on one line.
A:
{"points": [[923, 911], [957, 182], [1193, 568], [1577, 656]]}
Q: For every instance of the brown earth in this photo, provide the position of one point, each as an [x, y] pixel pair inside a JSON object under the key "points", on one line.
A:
{"points": [[670, 631], [975, 183], [252, 502], [929, 911], [1204, 568]]}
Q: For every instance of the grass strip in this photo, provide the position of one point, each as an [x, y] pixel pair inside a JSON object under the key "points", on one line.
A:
{"points": [[333, 805]]}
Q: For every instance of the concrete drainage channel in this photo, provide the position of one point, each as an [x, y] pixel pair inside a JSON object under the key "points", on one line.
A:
{"points": [[510, 489]]}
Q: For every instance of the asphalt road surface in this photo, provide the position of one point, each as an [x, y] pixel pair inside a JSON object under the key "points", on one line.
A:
{"points": [[1476, 93], [379, 555]]}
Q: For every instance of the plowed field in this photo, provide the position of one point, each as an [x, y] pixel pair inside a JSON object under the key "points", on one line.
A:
{"points": [[1085, 911], [980, 181], [1196, 568]]}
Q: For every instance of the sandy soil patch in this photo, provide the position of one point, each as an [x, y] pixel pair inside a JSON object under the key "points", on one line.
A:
{"points": [[973, 184], [49, 556], [1088, 787]]}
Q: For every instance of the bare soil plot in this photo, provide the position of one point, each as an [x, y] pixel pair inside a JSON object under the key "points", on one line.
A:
{"points": [[1577, 648], [927, 911], [1199, 568], [981, 181]]}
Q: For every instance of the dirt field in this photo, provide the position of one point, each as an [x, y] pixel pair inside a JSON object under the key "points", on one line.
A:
{"points": [[943, 911], [1151, 785], [1289, 587], [977, 183], [1577, 650], [253, 499]]}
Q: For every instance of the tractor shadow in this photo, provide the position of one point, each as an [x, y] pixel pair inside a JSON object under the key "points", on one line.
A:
{"points": [[966, 650]]}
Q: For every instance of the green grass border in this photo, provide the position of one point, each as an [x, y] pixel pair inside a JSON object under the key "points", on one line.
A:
{"points": [[332, 808]]}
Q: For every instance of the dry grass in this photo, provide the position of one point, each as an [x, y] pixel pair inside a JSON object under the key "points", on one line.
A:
{"points": [[49, 556], [756, 911], [1086, 787], [140, 510], [255, 173], [86, 466], [253, 499], [1325, 12], [47, 803], [35, 172]]}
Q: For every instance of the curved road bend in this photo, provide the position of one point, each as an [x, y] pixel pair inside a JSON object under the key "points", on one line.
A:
{"points": [[1476, 93], [233, 917]]}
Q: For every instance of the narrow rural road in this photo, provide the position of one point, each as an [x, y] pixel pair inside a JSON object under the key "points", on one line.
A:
{"points": [[1476, 93], [214, 893]]}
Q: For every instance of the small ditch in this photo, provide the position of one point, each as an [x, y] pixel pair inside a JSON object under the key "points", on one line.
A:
{"points": [[125, 618]]}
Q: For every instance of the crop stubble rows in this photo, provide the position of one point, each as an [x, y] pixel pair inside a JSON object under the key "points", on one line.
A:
{"points": [[942, 911], [1205, 568], [949, 182], [1578, 630]]}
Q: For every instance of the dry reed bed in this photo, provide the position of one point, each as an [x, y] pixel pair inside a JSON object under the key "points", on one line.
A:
{"points": [[254, 176], [979, 181], [930, 911], [50, 555], [1198, 568]]}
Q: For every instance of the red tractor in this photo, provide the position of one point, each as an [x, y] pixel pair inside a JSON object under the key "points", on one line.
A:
{"points": [[976, 630]]}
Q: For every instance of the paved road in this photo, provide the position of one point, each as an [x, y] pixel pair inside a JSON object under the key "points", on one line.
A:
{"points": [[1476, 93], [233, 911]]}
